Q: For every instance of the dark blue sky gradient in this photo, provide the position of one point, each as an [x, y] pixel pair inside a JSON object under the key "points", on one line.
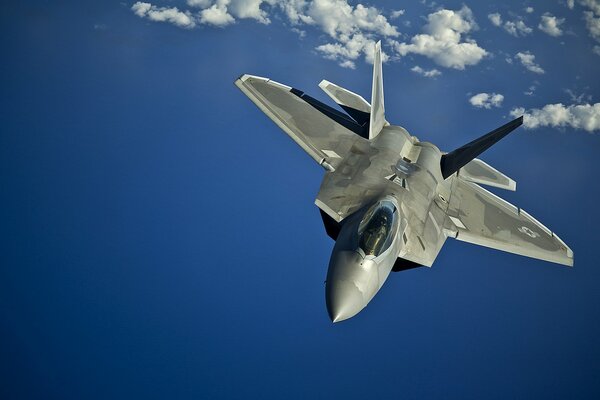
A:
{"points": [[159, 237]]}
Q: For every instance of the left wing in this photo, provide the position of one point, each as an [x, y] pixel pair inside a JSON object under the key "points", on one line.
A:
{"points": [[324, 133], [480, 217]]}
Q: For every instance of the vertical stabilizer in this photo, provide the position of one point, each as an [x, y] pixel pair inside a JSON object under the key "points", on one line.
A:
{"points": [[377, 120]]}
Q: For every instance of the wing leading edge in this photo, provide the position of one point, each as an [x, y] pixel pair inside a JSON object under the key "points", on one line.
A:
{"points": [[324, 133]]}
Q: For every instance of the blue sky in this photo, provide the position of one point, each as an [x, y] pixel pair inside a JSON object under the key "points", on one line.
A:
{"points": [[159, 237]]}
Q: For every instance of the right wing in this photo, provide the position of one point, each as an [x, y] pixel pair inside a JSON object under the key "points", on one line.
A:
{"points": [[482, 218], [325, 134]]}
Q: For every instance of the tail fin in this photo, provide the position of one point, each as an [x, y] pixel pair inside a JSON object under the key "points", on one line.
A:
{"points": [[377, 120], [458, 158]]}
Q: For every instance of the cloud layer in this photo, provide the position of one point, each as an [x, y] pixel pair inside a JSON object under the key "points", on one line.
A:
{"points": [[352, 29], [580, 116]]}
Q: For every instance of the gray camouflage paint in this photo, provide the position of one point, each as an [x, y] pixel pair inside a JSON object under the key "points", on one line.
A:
{"points": [[395, 165]]}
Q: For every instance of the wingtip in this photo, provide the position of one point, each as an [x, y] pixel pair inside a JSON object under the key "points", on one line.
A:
{"points": [[324, 83]]}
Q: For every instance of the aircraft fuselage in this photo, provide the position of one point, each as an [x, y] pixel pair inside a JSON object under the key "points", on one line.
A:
{"points": [[398, 218]]}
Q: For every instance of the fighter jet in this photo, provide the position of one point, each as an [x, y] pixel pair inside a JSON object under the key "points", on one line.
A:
{"points": [[389, 200]]}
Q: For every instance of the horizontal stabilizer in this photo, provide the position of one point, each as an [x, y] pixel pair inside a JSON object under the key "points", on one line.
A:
{"points": [[458, 158], [355, 105], [477, 171]]}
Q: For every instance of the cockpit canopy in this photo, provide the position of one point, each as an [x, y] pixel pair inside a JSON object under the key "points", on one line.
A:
{"points": [[376, 230]]}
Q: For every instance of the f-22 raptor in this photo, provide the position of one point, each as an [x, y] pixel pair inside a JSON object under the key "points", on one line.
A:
{"points": [[389, 200]]}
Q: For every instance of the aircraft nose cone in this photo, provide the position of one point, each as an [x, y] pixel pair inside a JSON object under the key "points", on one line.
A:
{"points": [[351, 282], [344, 300]]}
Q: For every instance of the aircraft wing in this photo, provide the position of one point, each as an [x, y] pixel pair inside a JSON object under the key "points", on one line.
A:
{"points": [[480, 217], [326, 134]]}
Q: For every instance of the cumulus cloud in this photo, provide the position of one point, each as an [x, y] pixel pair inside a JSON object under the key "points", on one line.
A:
{"points": [[591, 18], [397, 13], [496, 19], [528, 10], [432, 73], [486, 100], [592, 23], [593, 5], [216, 15], [528, 61], [551, 25], [596, 50], [163, 14], [580, 116], [571, 4], [516, 28], [353, 29], [349, 50], [442, 40]]}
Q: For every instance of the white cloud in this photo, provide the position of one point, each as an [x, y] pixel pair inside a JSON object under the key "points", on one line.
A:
{"points": [[249, 9], [592, 20], [350, 50], [593, 5], [516, 28], [163, 14], [496, 19], [199, 3], [397, 13], [530, 91], [592, 23], [578, 98], [353, 28], [551, 25], [528, 10], [217, 15], [432, 73], [486, 100], [337, 18], [528, 61], [571, 4], [348, 64], [580, 116], [442, 40]]}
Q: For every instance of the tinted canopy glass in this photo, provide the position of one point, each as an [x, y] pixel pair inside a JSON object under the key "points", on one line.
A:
{"points": [[376, 229]]}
